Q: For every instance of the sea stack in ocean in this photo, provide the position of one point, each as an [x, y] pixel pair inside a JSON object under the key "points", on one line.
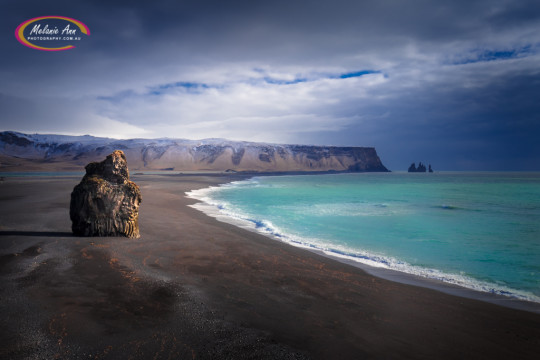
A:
{"points": [[421, 168], [106, 202]]}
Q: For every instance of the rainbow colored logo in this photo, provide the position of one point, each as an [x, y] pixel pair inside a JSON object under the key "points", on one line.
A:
{"points": [[54, 36]]}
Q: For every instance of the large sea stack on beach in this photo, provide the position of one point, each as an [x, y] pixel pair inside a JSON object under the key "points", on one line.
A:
{"points": [[106, 202]]}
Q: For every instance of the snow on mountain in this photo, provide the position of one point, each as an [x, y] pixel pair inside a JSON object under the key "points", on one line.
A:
{"points": [[74, 152]]}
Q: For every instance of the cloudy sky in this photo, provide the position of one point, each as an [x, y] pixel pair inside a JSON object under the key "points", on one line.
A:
{"points": [[452, 83]]}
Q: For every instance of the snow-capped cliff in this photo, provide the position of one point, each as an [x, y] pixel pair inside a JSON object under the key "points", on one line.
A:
{"points": [[59, 152]]}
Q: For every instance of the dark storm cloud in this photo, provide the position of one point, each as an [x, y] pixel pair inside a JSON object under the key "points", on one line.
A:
{"points": [[452, 81], [489, 127]]}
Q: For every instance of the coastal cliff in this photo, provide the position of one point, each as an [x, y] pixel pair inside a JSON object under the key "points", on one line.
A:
{"points": [[21, 152]]}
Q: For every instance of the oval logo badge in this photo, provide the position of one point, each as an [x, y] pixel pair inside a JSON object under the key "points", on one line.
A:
{"points": [[51, 33]]}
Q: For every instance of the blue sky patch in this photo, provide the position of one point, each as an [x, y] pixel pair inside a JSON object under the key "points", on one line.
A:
{"points": [[193, 87], [273, 81], [493, 55], [357, 74]]}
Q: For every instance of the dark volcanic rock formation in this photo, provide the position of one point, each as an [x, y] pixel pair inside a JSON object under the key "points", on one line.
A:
{"points": [[421, 168], [105, 202]]}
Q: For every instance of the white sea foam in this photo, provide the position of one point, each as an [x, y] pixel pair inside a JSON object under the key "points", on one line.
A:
{"points": [[222, 211]]}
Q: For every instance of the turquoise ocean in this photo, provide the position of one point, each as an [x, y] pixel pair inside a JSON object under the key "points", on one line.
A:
{"points": [[477, 230]]}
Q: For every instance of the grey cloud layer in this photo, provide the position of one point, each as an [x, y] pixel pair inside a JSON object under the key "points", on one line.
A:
{"points": [[456, 82]]}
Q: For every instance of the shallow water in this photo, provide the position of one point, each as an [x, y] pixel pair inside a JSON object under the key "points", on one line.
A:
{"points": [[477, 230]]}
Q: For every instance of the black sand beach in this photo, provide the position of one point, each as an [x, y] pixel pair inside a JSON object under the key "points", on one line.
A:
{"points": [[195, 288]]}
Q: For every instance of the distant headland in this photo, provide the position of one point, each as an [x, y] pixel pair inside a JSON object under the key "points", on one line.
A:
{"points": [[24, 152]]}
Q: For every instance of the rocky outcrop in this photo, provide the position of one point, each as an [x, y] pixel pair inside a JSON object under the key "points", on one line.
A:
{"points": [[106, 202], [421, 168]]}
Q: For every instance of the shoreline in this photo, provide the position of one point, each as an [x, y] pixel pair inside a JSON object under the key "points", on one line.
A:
{"points": [[381, 272], [195, 287]]}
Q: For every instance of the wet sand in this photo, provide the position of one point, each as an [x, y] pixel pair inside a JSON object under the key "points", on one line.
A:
{"points": [[195, 288]]}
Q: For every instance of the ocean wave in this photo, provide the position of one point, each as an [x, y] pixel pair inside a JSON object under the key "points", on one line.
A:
{"points": [[347, 209], [224, 212], [455, 208]]}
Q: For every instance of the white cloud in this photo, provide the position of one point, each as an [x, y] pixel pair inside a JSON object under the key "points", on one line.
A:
{"points": [[246, 109]]}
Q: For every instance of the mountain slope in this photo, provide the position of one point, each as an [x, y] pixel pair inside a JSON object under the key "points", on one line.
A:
{"points": [[22, 152]]}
